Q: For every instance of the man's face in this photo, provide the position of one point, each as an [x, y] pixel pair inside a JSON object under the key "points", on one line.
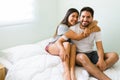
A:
{"points": [[85, 18]]}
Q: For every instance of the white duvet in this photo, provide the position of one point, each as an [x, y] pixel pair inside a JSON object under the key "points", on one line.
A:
{"points": [[32, 62]]}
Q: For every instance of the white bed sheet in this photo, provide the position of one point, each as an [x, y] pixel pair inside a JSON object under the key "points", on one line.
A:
{"points": [[32, 62], [40, 67]]}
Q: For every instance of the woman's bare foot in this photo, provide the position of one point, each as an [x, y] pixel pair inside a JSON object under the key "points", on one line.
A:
{"points": [[73, 77], [67, 76]]}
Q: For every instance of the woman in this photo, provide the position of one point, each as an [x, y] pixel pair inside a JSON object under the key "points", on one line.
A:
{"points": [[67, 51], [68, 54]]}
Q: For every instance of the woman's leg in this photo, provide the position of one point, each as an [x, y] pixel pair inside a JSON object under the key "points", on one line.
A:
{"points": [[72, 61], [54, 50], [66, 61]]}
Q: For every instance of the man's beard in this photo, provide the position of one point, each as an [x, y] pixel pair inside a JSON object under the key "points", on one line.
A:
{"points": [[85, 24]]}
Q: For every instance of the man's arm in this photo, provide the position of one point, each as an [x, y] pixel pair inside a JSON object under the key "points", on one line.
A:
{"points": [[101, 62], [100, 49]]}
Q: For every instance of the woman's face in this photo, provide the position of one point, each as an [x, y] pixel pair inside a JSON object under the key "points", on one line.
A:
{"points": [[73, 18]]}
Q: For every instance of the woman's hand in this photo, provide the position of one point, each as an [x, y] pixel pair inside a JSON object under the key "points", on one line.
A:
{"points": [[63, 55], [62, 52]]}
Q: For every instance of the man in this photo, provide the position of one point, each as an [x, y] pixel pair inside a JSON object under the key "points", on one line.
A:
{"points": [[93, 61]]}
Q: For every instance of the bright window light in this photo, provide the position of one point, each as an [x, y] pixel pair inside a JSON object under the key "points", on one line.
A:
{"points": [[16, 12]]}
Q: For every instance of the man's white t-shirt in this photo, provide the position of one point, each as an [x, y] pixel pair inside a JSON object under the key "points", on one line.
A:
{"points": [[85, 45]]}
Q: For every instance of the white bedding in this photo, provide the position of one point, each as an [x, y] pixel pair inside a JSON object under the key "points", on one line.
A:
{"points": [[32, 62]]}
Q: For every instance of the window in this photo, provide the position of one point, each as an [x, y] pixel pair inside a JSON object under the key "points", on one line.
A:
{"points": [[16, 12]]}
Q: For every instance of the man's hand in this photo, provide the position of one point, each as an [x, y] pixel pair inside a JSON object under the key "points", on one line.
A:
{"points": [[101, 64]]}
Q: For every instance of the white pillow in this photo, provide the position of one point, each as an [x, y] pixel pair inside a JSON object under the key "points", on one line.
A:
{"points": [[19, 52], [15, 53]]}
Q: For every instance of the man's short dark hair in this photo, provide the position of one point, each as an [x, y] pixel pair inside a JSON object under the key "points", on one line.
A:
{"points": [[89, 9]]}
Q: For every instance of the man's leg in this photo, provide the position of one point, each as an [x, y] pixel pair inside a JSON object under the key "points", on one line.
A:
{"points": [[72, 61], [83, 60], [111, 58]]}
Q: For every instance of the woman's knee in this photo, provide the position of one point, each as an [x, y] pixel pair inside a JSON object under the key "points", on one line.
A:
{"points": [[73, 46], [66, 45], [73, 49]]}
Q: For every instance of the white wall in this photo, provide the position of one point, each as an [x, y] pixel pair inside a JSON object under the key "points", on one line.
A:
{"points": [[106, 12], [49, 13], [42, 28]]}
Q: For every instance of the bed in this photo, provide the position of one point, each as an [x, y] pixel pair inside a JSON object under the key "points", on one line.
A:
{"points": [[32, 62]]}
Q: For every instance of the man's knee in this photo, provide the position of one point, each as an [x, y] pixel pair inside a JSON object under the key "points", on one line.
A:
{"points": [[115, 55], [82, 58], [112, 55]]}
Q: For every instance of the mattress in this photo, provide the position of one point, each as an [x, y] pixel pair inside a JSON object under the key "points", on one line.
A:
{"points": [[32, 62]]}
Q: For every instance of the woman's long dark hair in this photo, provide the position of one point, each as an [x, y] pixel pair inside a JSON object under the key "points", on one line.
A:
{"points": [[65, 19]]}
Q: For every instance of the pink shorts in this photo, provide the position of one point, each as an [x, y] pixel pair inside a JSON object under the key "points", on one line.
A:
{"points": [[47, 47]]}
